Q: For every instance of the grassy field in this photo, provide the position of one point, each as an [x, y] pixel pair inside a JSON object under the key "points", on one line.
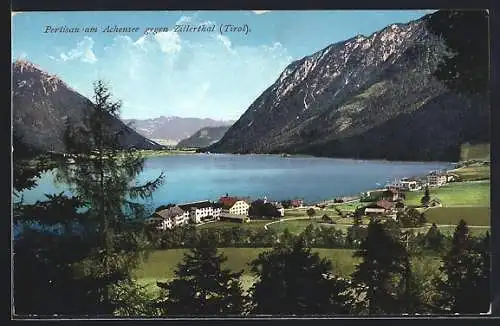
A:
{"points": [[294, 226], [296, 212], [253, 224], [302, 212], [473, 173], [456, 194], [162, 263], [474, 152], [349, 207], [474, 230], [479, 216]]}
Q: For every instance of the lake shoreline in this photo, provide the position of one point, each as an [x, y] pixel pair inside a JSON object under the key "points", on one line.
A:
{"points": [[193, 177], [291, 155]]}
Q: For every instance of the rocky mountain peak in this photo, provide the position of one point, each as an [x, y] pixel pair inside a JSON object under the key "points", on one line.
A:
{"points": [[345, 90], [43, 105]]}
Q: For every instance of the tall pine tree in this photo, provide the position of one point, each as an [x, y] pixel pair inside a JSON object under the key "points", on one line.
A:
{"points": [[384, 267], [464, 284], [294, 281], [201, 286], [104, 175]]}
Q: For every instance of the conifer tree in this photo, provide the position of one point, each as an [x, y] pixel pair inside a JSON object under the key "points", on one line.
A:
{"points": [[434, 239], [464, 284], [426, 198], [104, 175], [202, 286], [294, 281], [384, 267]]}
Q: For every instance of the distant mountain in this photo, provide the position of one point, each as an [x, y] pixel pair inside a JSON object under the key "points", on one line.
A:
{"points": [[43, 107], [173, 129], [366, 97], [204, 137]]}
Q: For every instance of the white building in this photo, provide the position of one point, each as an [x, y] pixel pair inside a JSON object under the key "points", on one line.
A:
{"points": [[234, 205], [436, 179], [410, 185], [240, 207], [196, 212], [169, 218], [160, 223]]}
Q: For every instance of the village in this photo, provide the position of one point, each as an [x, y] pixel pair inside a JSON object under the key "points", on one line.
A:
{"points": [[386, 202]]}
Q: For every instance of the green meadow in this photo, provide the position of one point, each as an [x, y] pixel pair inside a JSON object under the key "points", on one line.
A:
{"points": [[456, 194]]}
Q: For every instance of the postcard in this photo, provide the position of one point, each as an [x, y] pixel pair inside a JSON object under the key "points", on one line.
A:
{"points": [[251, 163]]}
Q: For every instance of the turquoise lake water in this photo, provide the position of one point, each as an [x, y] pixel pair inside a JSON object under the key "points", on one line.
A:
{"points": [[193, 177]]}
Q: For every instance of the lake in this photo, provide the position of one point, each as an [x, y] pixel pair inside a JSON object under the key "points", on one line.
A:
{"points": [[192, 177]]}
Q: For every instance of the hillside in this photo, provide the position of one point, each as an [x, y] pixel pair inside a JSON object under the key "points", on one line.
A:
{"points": [[203, 137], [171, 130], [372, 97], [44, 106]]}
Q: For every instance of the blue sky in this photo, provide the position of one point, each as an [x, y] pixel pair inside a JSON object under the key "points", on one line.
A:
{"points": [[187, 74]]}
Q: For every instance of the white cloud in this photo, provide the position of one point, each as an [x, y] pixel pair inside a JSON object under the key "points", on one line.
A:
{"points": [[260, 12], [184, 20], [82, 51], [225, 41], [198, 74], [23, 56], [170, 42]]}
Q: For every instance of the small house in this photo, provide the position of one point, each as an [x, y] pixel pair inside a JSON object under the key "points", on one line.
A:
{"points": [[435, 202], [297, 203], [381, 207]]}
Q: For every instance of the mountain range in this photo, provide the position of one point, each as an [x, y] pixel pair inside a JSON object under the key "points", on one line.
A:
{"points": [[43, 107], [171, 130], [371, 97], [204, 137]]}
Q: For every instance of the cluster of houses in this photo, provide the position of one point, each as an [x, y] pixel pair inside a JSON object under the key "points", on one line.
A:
{"points": [[227, 208], [236, 209], [389, 204], [433, 179], [392, 199]]}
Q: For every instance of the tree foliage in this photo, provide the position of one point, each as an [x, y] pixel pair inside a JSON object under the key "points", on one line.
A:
{"points": [[294, 281], [466, 33], [411, 218], [426, 198], [434, 239], [94, 248], [383, 268], [464, 285], [311, 212], [202, 286], [261, 209]]}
